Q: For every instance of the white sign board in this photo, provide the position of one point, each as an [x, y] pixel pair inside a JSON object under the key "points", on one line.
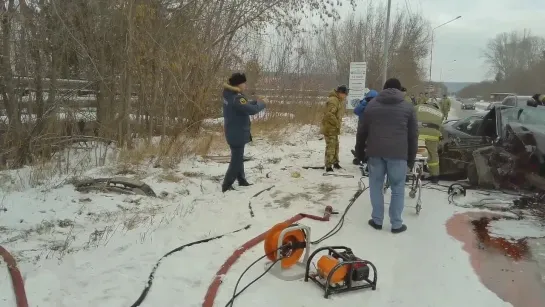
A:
{"points": [[356, 83]]}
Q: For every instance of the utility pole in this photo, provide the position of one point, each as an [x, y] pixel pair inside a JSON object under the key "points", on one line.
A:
{"points": [[431, 52], [432, 40], [386, 43]]}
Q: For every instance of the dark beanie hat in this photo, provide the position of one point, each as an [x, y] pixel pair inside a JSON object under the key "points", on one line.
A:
{"points": [[237, 79], [393, 83], [342, 89]]}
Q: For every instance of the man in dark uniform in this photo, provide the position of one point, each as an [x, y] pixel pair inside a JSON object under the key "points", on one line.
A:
{"points": [[236, 116]]}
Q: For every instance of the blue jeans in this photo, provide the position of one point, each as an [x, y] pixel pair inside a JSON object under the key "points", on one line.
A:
{"points": [[397, 171]]}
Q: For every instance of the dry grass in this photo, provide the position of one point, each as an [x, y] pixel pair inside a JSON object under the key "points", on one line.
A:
{"points": [[281, 116], [168, 153], [165, 152], [170, 177]]}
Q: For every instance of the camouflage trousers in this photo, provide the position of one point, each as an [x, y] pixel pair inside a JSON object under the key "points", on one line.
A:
{"points": [[433, 157], [445, 114], [331, 150]]}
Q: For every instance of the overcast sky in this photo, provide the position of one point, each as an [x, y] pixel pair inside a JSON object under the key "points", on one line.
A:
{"points": [[464, 39]]}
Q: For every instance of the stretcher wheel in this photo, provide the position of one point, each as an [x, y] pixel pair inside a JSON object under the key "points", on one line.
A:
{"points": [[418, 208], [412, 194], [289, 256]]}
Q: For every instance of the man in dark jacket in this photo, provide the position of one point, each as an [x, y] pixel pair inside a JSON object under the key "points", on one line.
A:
{"points": [[389, 137], [236, 116]]}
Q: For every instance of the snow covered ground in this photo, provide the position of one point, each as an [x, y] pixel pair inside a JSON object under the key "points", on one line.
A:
{"points": [[97, 249], [515, 230], [482, 104]]}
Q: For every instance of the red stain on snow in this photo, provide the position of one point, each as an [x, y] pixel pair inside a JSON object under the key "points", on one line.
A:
{"points": [[503, 266]]}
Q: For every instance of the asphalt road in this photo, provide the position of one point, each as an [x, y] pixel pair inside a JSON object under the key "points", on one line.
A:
{"points": [[457, 112]]}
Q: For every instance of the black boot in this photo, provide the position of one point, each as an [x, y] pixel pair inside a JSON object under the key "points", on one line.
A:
{"points": [[401, 229], [374, 225], [244, 183], [337, 166], [225, 188], [329, 169], [434, 179]]}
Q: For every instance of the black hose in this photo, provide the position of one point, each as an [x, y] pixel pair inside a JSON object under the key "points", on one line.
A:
{"points": [[250, 208], [235, 293], [152, 274], [340, 224]]}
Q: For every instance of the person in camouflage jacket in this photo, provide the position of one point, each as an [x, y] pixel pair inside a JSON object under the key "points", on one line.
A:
{"points": [[331, 126], [445, 107]]}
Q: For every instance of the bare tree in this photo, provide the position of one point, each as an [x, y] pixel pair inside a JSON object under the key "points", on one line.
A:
{"points": [[145, 68], [361, 39], [509, 53], [517, 62]]}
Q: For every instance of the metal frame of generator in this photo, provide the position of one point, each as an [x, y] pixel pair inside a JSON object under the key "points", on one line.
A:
{"points": [[341, 271]]}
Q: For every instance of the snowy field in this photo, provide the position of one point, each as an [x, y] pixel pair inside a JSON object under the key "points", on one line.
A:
{"points": [[97, 249]]}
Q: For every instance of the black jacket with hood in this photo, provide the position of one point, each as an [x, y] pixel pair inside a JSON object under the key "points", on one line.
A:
{"points": [[389, 128]]}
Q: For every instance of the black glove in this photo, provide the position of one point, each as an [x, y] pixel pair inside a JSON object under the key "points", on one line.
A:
{"points": [[410, 164], [362, 159]]}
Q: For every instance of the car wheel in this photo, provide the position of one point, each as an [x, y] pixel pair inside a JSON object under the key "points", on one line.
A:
{"points": [[472, 175]]}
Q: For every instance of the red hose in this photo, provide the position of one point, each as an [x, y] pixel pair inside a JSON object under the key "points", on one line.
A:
{"points": [[16, 278], [214, 286]]}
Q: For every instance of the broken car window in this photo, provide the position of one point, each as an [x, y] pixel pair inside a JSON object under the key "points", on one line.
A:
{"points": [[509, 101], [470, 125], [533, 116]]}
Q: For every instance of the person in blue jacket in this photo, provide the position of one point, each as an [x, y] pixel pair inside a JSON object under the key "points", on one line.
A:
{"points": [[358, 110], [237, 110]]}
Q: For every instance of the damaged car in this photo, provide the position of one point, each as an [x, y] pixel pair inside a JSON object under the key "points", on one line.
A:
{"points": [[501, 148]]}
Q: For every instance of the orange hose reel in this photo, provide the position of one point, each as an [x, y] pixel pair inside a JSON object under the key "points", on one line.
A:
{"points": [[290, 253]]}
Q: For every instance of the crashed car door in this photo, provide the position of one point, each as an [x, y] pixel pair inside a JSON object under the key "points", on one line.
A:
{"points": [[467, 131], [503, 117], [460, 140], [499, 126]]}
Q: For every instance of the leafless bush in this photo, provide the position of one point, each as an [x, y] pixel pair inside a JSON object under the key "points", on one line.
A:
{"points": [[124, 72], [142, 68]]}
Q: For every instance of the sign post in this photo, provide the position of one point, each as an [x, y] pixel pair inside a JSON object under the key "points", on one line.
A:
{"points": [[356, 83]]}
